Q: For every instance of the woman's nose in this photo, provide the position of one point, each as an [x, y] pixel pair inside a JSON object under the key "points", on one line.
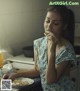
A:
{"points": [[50, 25]]}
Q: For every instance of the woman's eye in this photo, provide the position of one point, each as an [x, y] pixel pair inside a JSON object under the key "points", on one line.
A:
{"points": [[56, 24]]}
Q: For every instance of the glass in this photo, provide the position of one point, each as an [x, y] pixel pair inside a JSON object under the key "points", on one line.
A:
{"points": [[1, 60]]}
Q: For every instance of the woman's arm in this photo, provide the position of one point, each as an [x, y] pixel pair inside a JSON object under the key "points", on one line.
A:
{"points": [[28, 73], [53, 71]]}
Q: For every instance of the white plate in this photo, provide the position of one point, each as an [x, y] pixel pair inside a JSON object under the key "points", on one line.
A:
{"points": [[21, 82]]}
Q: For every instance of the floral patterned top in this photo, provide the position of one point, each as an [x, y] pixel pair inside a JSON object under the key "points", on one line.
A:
{"points": [[66, 54]]}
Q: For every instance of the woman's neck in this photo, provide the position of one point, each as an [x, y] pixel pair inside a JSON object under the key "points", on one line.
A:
{"points": [[61, 42]]}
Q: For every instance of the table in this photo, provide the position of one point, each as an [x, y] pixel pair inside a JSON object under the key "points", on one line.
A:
{"points": [[34, 87]]}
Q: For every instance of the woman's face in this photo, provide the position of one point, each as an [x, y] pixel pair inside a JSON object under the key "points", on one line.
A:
{"points": [[53, 23]]}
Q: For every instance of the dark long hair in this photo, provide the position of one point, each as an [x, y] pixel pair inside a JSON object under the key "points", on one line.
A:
{"points": [[67, 17]]}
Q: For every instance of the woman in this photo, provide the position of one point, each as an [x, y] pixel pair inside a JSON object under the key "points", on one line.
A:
{"points": [[53, 54]]}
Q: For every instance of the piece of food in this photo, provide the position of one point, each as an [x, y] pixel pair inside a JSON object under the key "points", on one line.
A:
{"points": [[20, 82]]}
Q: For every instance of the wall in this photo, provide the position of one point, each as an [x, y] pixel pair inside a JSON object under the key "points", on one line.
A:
{"points": [[77, 33], [21, 21], [76, 10]]}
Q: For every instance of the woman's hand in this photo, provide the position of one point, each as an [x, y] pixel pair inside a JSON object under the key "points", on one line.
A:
{"points": [[52, 39], [5, 76], [50, 68], [10, 76]]}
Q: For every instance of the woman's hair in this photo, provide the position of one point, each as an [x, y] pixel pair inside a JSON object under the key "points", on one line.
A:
{"points": [[68, 18], [62, 10]]}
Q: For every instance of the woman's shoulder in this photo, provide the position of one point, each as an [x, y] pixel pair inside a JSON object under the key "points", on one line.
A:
{"points": [[66, 53], [40, 41], [67, 45], [66, 48]]}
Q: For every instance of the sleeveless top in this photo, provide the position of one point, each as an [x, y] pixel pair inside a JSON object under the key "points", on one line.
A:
{"points": [[66, 53]]}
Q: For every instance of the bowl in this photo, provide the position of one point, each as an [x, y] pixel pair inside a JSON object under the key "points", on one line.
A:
{"points": [[28, 51]]}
